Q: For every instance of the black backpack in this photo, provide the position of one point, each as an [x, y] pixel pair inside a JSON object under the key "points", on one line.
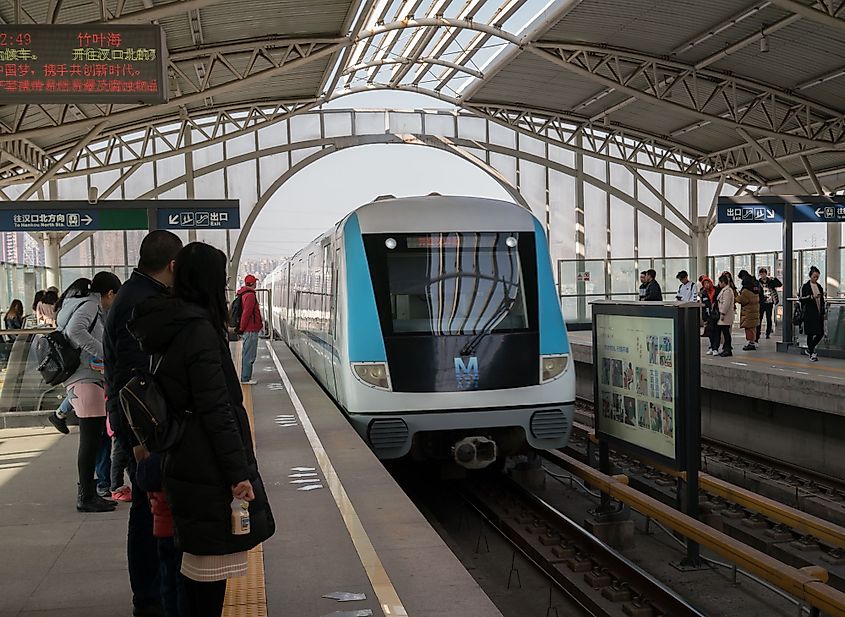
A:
{"points": [[147, 411], [236, 312], [57, 358]]}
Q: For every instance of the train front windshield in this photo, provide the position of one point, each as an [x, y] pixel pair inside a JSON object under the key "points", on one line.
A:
{"points": [[462, 292]]}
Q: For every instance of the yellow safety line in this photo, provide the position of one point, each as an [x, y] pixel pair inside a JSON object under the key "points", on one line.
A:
{"points": [[246, 596], [389, 600]]}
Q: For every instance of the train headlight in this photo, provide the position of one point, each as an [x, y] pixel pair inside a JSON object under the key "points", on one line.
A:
{"points": [[374, 374], [552, 367], [511, 242], [390, 243]]}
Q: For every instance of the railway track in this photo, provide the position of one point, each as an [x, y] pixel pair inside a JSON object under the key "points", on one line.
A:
{"points": [[806, 531], [593, 575]]}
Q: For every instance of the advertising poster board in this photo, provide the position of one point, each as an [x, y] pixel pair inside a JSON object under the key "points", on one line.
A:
{"points": [[644, 373]]}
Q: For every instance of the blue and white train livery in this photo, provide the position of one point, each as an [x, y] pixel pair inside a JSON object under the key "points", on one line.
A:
{"points": [[435, 325]]}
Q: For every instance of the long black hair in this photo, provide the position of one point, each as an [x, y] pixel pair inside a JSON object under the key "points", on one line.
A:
{"points": [[200, 278], [16, 309], [103, 283]]}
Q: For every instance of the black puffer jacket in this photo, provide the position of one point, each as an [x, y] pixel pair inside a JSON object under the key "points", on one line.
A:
{"points": [[197, 375]]}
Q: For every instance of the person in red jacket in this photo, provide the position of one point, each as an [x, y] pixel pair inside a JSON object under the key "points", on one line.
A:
{"points": [[250, 325]]}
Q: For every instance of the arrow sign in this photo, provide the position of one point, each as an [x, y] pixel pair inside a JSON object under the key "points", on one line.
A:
{"points": [[87, 220], [173, 219], [820, 212]]}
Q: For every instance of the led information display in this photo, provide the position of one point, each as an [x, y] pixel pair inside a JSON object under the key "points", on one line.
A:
{"points": [[636, 365], [96, 63]]}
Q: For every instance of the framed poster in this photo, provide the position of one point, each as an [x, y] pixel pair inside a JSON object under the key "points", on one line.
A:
{"points": [[646, 359]]}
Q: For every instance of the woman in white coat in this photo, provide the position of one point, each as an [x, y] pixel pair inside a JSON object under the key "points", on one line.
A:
{"points": [[81, 317], [727, 311]]}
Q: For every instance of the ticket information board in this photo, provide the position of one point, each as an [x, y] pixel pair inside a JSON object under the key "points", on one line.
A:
{"points": [[644, 373], [86, 63]]}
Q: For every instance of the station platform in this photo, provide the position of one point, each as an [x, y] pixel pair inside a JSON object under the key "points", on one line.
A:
{"points": [[343, 524], [775, 404]]}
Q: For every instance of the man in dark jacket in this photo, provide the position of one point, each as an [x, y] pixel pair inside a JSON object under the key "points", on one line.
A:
{"points": [[123, 354], [250, 326], [653, 293], [769, 286], [643, 284]]}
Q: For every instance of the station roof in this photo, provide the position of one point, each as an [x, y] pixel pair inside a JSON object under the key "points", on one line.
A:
{"points": [[750, 91]]}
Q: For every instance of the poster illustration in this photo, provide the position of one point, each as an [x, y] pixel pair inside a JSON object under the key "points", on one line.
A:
{"points": [[636, 359]]}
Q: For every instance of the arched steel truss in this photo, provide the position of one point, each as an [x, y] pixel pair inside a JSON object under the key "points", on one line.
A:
{"points": [[503, 153], [774, 125]]}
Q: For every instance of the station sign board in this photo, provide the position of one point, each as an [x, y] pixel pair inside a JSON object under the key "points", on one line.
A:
{"points": [[139, 214], [73, 219], [85, 63], [199, 218], [819, 210], [643, 377]]}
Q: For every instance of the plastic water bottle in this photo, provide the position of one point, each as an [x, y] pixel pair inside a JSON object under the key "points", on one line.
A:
{"points": [[240, 517]]}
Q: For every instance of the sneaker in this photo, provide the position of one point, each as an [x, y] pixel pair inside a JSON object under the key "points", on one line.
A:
{"points": [[725, 354], [749, 347], [814, 358], [709, 352], [251, 382], [60, 424], [104, 491], [124, 494]]}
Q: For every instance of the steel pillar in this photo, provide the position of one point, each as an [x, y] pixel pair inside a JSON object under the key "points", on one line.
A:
{"points": [[52, 258], [700, 247], [833, 266]]}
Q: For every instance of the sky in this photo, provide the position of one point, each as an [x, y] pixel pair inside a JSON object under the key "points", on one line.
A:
{"points": [[323, 193]]}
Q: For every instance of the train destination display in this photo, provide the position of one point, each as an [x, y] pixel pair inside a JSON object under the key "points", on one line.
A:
{"points": [[636, 363], [86, 63]]}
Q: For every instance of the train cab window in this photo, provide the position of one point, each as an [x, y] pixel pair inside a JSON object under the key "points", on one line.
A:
{"points": [[452, 283]]}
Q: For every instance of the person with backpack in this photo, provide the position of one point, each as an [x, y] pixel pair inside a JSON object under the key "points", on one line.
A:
{"points": [[246, 318], [80, 314], [152, 278], [211, 469]]}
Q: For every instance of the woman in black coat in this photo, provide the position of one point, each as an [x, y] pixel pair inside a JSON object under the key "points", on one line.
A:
{"points": [[213, 466], [812, 301]]}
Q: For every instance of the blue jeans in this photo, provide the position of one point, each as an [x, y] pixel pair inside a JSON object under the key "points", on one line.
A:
{"points": [[250, 350], [173, 599], [103, 466], [65, 409]]}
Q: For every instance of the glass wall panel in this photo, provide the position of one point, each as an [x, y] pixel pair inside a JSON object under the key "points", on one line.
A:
{"points": [[595, 167], [440, 124], [108, 248], [624, 279], [503, 136], [706, 193], [649, 243], [242, 185], [304, 127], [211, 186], [677, 193], [472, 128], [564, 157], [530, 145], [532, 179], [595, 219], [621, 229], [170, 168], [401, 122], [270, 168], [273, 135], [505, 165], [562, 215], [622, 179], [337, 124], [139, 183], [242, 144], [675, 247]]}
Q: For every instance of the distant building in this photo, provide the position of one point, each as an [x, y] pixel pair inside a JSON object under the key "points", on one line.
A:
{"points": [[21, 248], [257, 267]]}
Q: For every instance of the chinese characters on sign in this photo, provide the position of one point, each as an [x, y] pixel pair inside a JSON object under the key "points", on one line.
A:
{"points": [[88, 62], [751, 214], [213, 218], [819, 213], [636, 360], [49, 220]]}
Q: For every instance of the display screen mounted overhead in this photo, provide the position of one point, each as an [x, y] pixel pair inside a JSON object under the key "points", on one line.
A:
{"points": [[87, 63]]}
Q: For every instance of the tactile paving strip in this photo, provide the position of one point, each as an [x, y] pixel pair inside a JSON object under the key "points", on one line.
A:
{"points": [[246, 595]]}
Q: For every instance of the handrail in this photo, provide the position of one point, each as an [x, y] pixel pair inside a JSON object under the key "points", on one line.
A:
{"points": [[807, 584]]}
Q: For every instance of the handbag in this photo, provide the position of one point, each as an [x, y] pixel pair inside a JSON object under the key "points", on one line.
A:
{"points": [[798, 314]]}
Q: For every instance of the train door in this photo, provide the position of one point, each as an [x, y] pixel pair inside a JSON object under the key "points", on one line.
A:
{"points": [[326, 334]]}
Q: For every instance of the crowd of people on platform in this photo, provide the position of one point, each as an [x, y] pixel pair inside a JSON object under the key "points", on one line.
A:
{"points": [[172, 319], [757, 299]]}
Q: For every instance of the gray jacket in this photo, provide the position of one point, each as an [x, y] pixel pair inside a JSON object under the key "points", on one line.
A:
{"points": [[75, 320]]}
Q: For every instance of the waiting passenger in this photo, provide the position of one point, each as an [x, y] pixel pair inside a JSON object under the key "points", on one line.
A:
{"points": [[769, 285], [249, 326], [45, 311], [151, 278], [710, 314], [81, 317], [39, 295], [643, 285], [653, 293], [812, 301], [726, 301], [213, 466], [686, 290], [14, 316], [749, 317]]}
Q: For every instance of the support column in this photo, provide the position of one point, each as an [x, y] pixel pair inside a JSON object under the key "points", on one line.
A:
{"points": [[53, 259], [190, 186], [832, 266], [700, 247]]}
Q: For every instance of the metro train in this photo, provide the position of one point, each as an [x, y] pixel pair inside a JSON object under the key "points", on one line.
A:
{"points": [[434, 324]]}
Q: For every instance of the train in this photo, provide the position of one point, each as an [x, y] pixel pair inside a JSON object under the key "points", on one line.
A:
{"points": [[435, 325]]}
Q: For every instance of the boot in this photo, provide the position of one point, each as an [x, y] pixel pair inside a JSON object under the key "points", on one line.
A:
{"points": [[89, 501]]}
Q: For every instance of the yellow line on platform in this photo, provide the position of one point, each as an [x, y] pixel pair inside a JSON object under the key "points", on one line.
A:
{"points": [[389, 600], [246, 596]]}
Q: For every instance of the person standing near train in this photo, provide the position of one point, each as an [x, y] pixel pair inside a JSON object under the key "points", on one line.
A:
{"points": [[249, 325], [813, 303]]}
